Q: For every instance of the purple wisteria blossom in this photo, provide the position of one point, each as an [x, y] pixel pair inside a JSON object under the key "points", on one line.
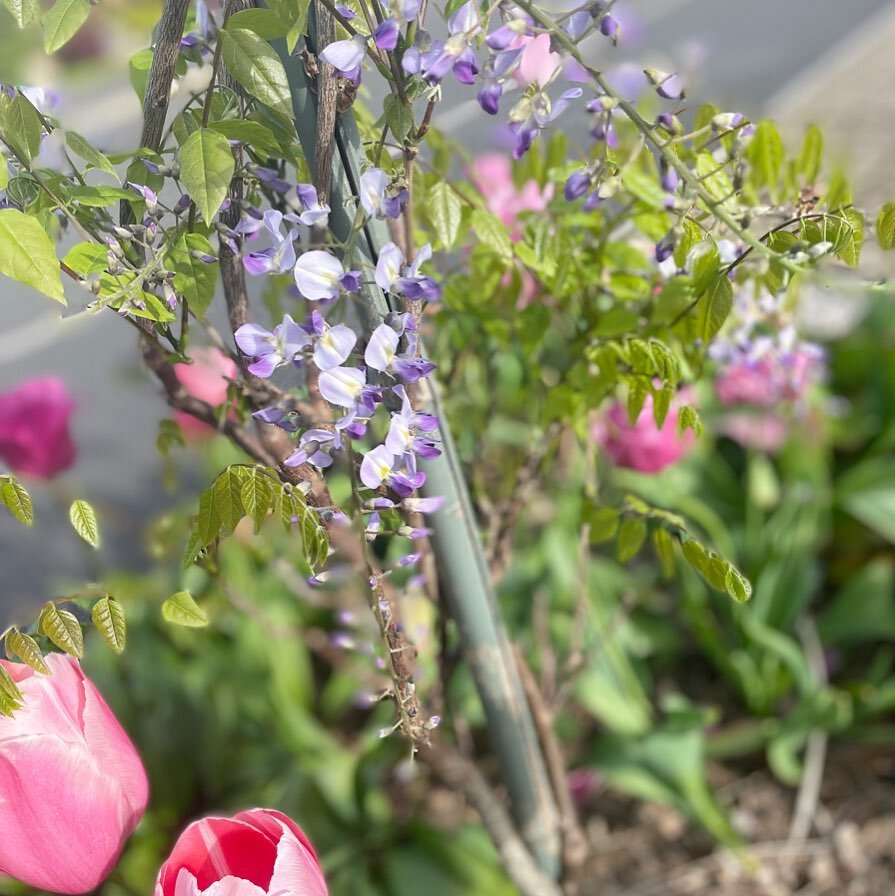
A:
{"points": [[498, 70], [532, 114], [332, 345], [270, 350], [382, 353], [601, 127], [404, 434], [393, 276], [377, 196], [377, 466], [347, 56], [315, 447], [668, 86], [347, 387], [281, 256], [278, 417], [203, 31], [319, 275], [313, 212], [434, 60]]}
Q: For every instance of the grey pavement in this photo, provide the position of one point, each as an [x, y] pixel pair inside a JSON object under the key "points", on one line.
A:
{"points": [[802, 59]]}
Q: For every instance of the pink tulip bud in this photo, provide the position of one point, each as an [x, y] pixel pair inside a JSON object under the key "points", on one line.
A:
{"points": [[72, 787], [206, 379], [34, 434], [256, 853]]}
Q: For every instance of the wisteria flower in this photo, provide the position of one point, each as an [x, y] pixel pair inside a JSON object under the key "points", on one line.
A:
{"points": [[315, 447], [392, 276], [532, 114], [346, 387], [270, 350], [347, 56], [377, 199], [281, 256], [313, 213], [332, 345], [319, 275], [456, 54], [404, 437], [376, 467]]}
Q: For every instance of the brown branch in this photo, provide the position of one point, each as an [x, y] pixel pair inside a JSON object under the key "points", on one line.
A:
{"points": [[327, 103]]}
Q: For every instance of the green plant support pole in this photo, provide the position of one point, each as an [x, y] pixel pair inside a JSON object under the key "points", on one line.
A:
{"points": [[463, 572]]}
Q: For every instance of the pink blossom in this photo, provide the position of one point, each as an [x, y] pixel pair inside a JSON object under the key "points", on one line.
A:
{"points": [[538, 63], [34, 428], [206, 379], [770, 379], [492, 173], [255, 853], [642, 446], [765, 432], [72, 787]]}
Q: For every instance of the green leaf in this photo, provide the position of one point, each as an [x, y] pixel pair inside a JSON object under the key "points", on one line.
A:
{"points": [[14, 496], [714, 307], [92, 156], [296, 12], [765, 152], [26, 649], [21, 126], [645, 188], [100, 197], [209, 520], [227, 496], [195, 280], [87, 258], [810, 156], [138, 67], [181, 609], [706, 261], [257, 496], [263, 22], [313, 538], [398, 117], [8, 687], [885, 226], [23, 11], [27, 254], [83, 518], [249, 132], [661, 405], [631, 536], [255, 65], [688, 418], [108, 618], [493, 234], [62, 22], [603, 522], [737, 585], [665, 549], [445, 212], [4, 174], [206, 169], [62, 628]]}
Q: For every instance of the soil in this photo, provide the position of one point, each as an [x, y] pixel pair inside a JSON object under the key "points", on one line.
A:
{"points": [[849, 850]]}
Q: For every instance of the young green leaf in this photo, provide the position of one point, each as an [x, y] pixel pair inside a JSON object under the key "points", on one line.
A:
{"points": [[194, 279], [765, 153], [83, 519], [17, 500], [62, 628], [26, 649], [181, 609], [87, 258], [139, 66], [251, 132], [263, 22], [885, 226], [28, 255], [631, 536], [603, 522], [23, 11], [737, 585], [90, 154], [62, 22], [108, 618], [8, 687], [665, 549], [257, 496], [810, 156], [206, 169], [714, 307], [227, 496], [445, 211], [255, 65], [20, 126], [493, 234], [398, 117]]}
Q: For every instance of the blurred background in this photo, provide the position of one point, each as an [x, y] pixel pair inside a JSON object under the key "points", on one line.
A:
{"points": [[689, 724]]}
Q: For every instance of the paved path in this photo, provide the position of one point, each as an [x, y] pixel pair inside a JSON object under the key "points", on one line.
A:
{"points": [[750, 53]]}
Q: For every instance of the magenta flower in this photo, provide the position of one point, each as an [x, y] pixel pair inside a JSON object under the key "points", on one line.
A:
{"points": [[35, 439], [72, 786], [256, 853], [642, 446], [207, 379]]}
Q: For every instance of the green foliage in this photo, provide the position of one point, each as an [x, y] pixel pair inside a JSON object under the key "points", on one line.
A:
{"points": [[63, 21], [206, 169], [83, 519], [444, 210], [23, 11], [28, 255], [256, 67], [90, 154], [885, 226], [20, 126], [26, 649], [108, 619], [16, 499], [194, 280], [62, 628], [182, 609]]}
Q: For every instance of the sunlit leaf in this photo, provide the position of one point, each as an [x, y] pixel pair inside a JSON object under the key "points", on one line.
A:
{"points": [[182, 609]]}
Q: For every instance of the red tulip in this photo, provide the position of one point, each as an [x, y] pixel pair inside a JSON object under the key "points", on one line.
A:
{"points": [[72, 787], [34, 433], [256, 853]]}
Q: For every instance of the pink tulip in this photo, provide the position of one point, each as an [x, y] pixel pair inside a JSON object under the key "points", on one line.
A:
{"points": [[206, 379], [256, 853], [34, 435], [642, 446], [72, 787]]}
